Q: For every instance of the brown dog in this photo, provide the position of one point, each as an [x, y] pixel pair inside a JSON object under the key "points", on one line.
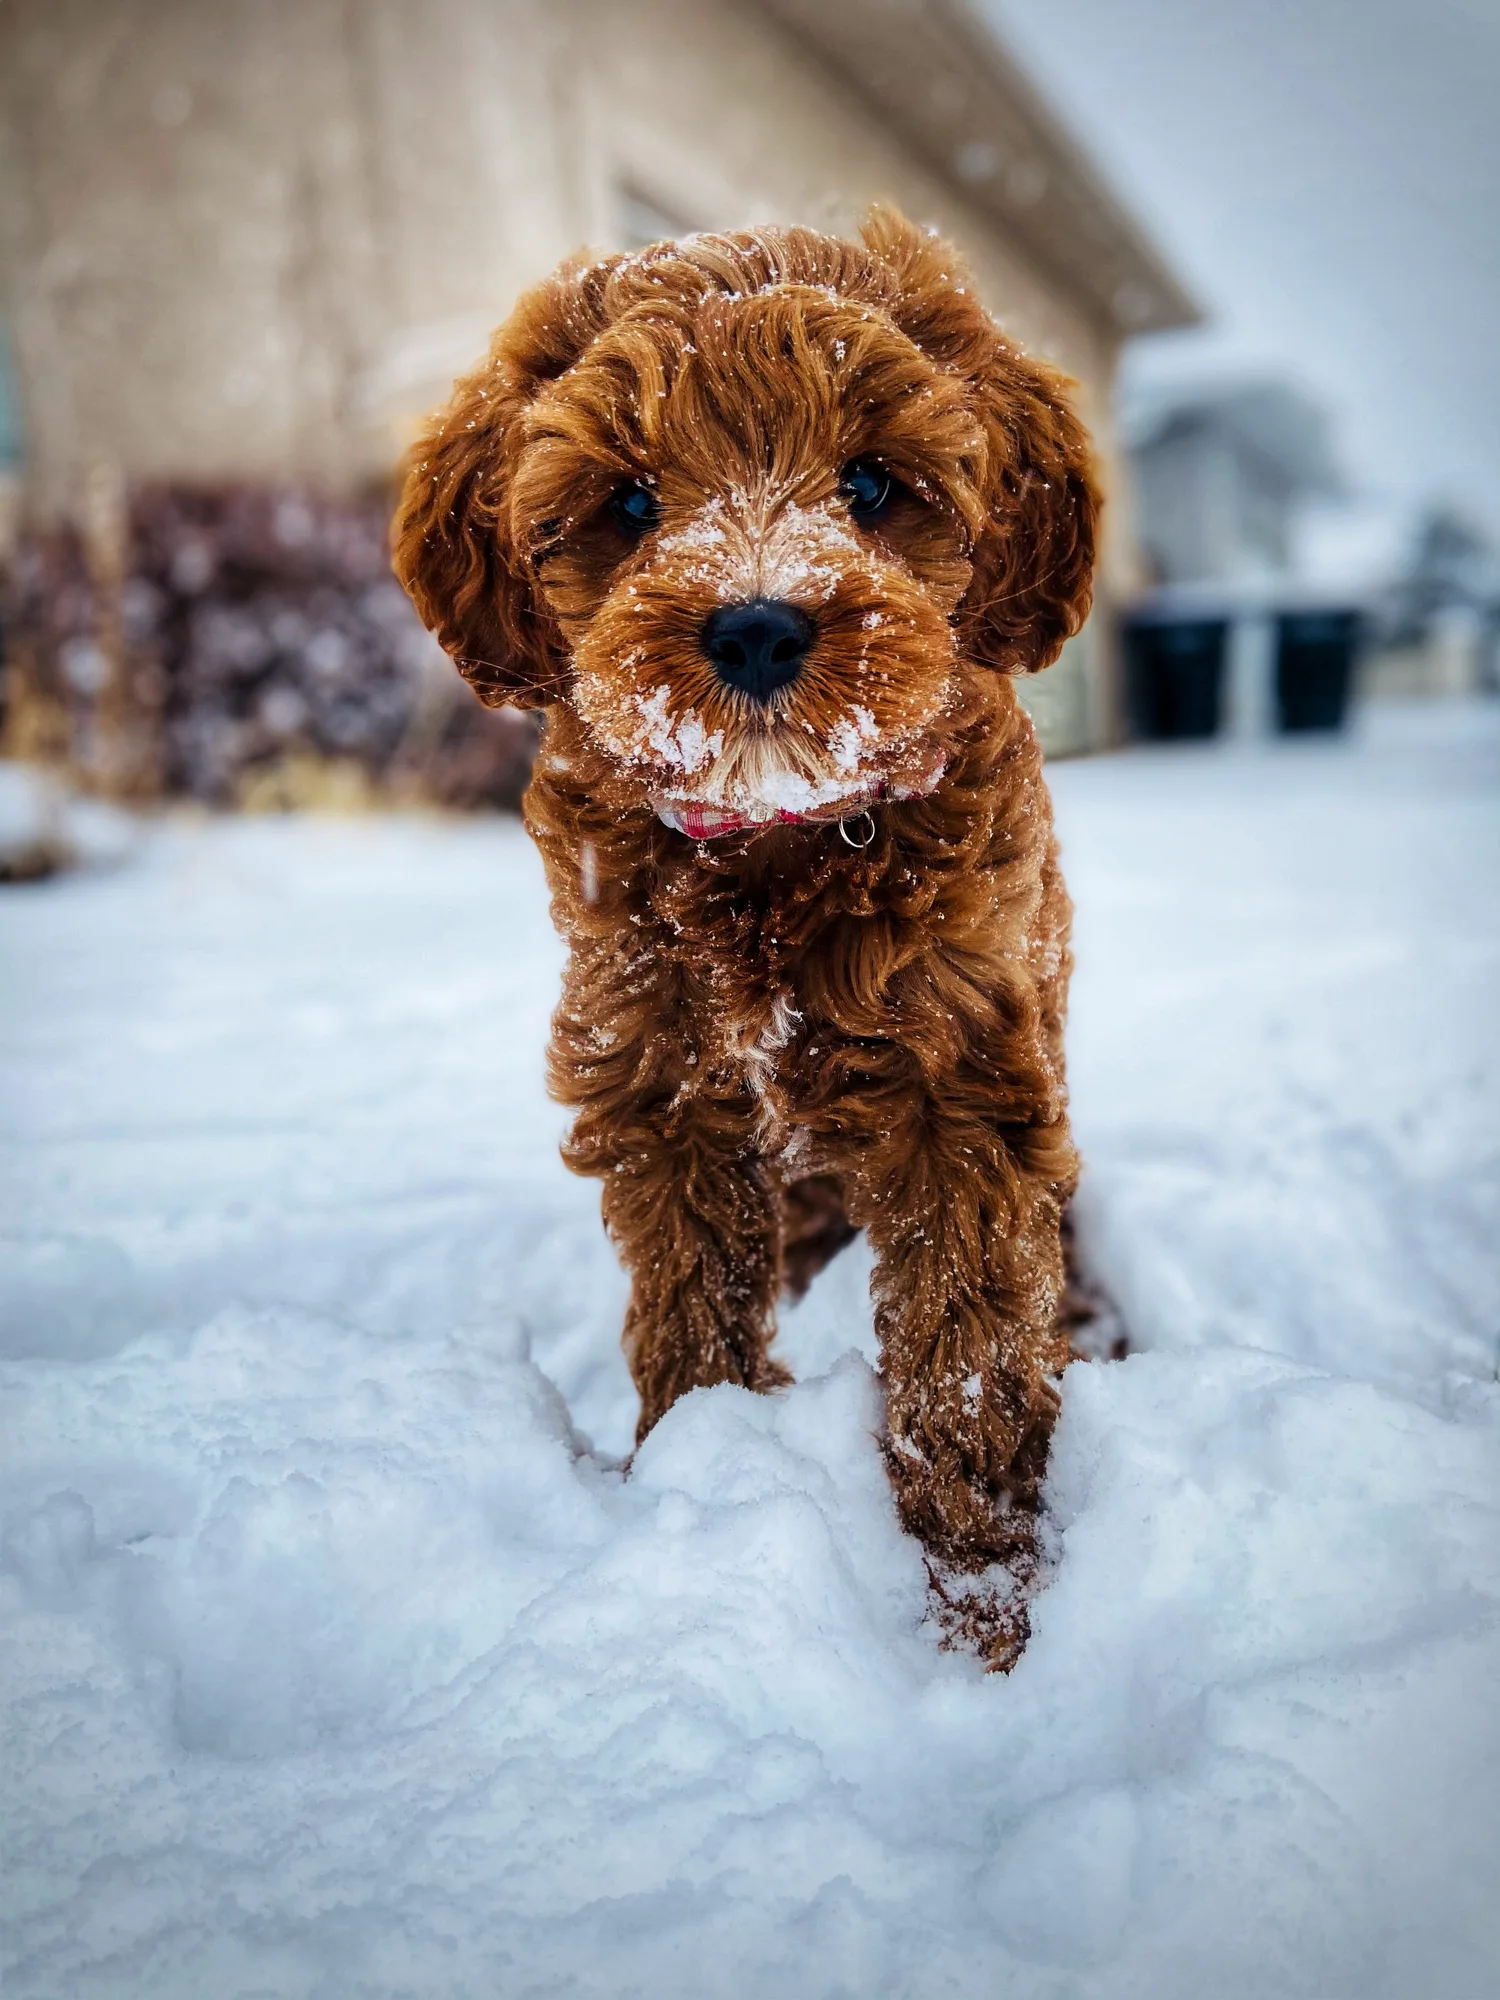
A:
{"points": [[764, 522]]}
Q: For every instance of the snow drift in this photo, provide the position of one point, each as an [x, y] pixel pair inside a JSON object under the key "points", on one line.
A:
{"points": [[340, 1657]]}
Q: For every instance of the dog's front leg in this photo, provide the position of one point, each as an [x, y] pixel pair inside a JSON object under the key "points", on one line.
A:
{"points": [[693, 1215], [686, 1198], [963, 1211]]}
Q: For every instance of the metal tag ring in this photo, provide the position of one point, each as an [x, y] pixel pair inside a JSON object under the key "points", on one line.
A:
{"points": [[867, 819]]}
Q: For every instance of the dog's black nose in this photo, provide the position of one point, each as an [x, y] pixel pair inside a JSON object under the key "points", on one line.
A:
{"points": [[757, 647]]}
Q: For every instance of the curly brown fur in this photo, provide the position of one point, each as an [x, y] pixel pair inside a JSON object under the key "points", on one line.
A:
{"points": [[774, 1037]]}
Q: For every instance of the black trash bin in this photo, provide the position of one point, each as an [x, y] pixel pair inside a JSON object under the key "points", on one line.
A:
{"points": [[1316, 653], [1174, 672]]}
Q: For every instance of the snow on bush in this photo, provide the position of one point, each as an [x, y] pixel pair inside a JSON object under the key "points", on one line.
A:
{"points": [[342, 1658], [265, 651], [44, 826]]}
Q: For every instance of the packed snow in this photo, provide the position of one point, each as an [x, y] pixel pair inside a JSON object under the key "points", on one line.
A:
{"points": [[341, 1657]]}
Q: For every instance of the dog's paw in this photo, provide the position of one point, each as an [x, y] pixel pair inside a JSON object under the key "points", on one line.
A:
{"points": [[979, 1532], [771, 1375], [988, 1615]]}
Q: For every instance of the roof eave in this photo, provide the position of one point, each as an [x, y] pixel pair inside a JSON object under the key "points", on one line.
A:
{"points": [[940, 80]]}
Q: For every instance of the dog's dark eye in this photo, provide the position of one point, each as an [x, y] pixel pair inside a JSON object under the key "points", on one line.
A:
{"points": [[867, 486], [635, 508]]}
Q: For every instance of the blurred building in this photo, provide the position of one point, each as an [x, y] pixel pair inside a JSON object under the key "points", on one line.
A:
{"points": [[254, 240], [1220, 476], [1438, 624], [1240, 620]]}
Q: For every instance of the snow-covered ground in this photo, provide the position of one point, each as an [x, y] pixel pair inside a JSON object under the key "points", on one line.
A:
{"points": [[341, 1660], [44, 826]]}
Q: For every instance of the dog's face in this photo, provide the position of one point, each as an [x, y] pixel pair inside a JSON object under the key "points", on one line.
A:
{"points": [[753, 506], [753, 522]]}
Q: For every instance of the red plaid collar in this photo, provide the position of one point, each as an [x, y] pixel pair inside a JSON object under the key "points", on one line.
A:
{"points": [[711, 822]]}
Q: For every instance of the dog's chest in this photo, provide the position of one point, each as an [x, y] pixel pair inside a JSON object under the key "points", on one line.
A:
{"points": [[757, 1041], [757, 969], [748, 1017]]}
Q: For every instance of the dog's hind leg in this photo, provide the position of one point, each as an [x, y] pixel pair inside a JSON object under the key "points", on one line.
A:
{"points": [[814, 1229], [1091, 1322]]}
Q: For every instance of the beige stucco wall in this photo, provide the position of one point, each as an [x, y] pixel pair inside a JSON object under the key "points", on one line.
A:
{"points": [[216, 213], [259, 237], [242, 235]]}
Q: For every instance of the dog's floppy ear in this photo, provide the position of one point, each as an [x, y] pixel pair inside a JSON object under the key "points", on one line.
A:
{"points": [[1034, 557], [453, 540]]}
